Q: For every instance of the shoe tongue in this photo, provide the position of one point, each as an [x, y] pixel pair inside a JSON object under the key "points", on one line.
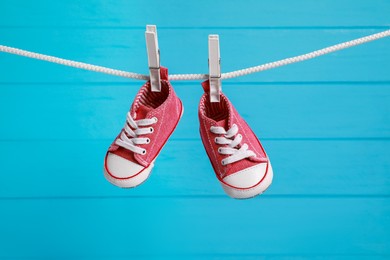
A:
{"points": [[142, 111], [223, 123]]}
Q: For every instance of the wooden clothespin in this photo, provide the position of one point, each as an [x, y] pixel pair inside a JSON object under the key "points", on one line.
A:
{"points": [[153, 57], [214, 68]]}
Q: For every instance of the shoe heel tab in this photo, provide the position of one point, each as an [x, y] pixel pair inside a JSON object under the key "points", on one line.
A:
{"points": [[206, 86], [164, 73]]}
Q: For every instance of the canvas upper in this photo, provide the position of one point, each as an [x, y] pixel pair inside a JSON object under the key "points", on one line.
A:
{"points": [[244, 173], [164, 106]]}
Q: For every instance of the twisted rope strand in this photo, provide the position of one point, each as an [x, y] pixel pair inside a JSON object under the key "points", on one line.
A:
{"points": [[228, 75], [75, 64], [306, 56]]}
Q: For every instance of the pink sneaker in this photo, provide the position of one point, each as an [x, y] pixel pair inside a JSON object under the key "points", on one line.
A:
{"points": [[152, 119], [238, 159]]}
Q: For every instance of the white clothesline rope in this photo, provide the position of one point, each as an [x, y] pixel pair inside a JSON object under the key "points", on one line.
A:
{"points": [[233, 74]]}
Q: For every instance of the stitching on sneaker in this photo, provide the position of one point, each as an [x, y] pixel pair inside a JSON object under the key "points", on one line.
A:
{"points": [[211, 146], [158, 130], [245, 170]]}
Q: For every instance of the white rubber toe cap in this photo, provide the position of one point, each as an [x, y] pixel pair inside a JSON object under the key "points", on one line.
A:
{"points": [[120, 167], [248, 177]]}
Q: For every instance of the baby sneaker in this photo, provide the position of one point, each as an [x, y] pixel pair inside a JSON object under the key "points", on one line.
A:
{"points": [[237, 156], [150, 122]]}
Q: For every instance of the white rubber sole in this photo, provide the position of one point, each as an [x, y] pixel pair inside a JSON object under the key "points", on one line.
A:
{"points": [[251, 192], [141, 177], [131, 182]]}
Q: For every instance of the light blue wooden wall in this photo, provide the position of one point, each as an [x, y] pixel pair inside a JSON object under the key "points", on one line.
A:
{"points": [[325, 124]]}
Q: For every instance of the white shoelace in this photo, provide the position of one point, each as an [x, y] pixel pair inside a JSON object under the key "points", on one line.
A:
{"points": [[236, 154], [131, 143]]}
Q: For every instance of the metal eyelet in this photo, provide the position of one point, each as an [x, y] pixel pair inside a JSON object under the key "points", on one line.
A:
{"points": [[155, 119], [144, 152], [219, 150], [151, 129], [223, 162], [147, 140], [215, 140]]}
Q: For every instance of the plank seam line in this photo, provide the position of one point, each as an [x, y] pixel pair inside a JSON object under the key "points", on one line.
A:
{"points": [[190, 139], [276, 27], [246, 83], [268, 196]]}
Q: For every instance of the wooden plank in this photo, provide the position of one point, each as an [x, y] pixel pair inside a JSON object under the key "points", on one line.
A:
{"points": [[323, 122], [119, 228], [195, 14], [125, 49], [59, 169], [95, 111]]}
